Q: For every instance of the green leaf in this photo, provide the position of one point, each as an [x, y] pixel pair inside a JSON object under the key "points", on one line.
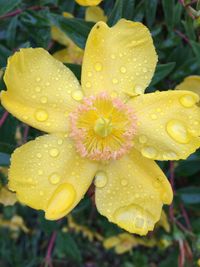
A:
{"points": [[168, 8], [4, 54], [128, 9], [189, 195], [76, 29], [150, 11], [189, 167], [8, 5], [4, 159], [11, 32], [116, 13], [162, 71], [67, 247], [196, 50]]}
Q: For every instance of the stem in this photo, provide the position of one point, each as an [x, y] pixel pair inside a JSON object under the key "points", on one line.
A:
{"points": [[183, 36], [3, 118], [26, 130], [185, 215], [50, 249]]}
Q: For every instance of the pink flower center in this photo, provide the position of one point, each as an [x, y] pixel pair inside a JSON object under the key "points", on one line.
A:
{"points": [[103, 127]]}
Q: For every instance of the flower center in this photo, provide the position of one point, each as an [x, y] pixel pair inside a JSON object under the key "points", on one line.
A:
{"points": [[102, 127]]}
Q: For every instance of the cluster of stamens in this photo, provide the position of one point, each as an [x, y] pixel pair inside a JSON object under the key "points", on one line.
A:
{"points": [[102, 127]]}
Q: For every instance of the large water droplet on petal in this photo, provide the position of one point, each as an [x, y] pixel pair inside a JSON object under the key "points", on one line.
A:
{"points": [[178, 132], [60, 202], [77, 95], [188, 101], [100, 179], [98, 66], [149, 152], [41, 115]]}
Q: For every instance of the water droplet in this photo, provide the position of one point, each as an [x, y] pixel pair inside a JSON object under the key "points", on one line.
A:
{"points": [[113, 56], [41, 115], [54, 178], [123, 70], [157, 183], [188, 101], [77, 95], [98, 66], [100, 179], [114, 81], [124, 182], [139, 89], [88, 84], [41, 193], [149, 152], [61, 201], [144, 70], [40, 172], [89, 74], [114, 94], [154, 116], [37, 89], [60, 141], [178, 132], [38, 79], [38, 155], [54, 152], [169, 155], [43, 99], [142, 139]]}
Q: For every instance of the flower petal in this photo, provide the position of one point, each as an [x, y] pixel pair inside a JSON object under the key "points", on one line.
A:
{"points": [[131, 191], [41, 91], [95, 13], [191, 83], [168, 124], [72, 54], [49, 175], [120, 60], [88, 2]]}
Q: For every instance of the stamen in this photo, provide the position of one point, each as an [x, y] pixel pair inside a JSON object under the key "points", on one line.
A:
{"points": [[103, 127]]}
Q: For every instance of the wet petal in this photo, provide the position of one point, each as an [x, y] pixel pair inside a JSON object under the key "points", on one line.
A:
{"points": [[47, 174], [88, 2], [168, 124], [71, 54], [120, 60], [41, 91], [131, 191], [95, 14], [190, 83]]}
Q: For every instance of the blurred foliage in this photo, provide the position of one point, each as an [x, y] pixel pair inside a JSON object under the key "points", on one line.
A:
{"points": [[24, 233]]}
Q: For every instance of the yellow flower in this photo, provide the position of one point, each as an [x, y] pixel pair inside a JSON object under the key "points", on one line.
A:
{"points": [[7, 198], [163, 222], [105, 128], [198, 262], [88, 2], [124, 242], [72, 53], [191, 83], [15, 224]]}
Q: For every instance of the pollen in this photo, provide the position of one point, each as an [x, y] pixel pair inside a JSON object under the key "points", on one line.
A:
{"points": [[103, 127]]}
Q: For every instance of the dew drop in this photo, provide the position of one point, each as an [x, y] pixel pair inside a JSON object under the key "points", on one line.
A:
{"points": [[98, 66], [54, 152], [61, 201], [188, 101], [54, 178], [60, 141], [114, 81], [89, 74], [38, 79], [100, 179], [41, 193], [123, 70], [43, 99], [40, 172], [37, 89], [88, 84], [124, 182], [142, 139], [38, 155], [77, 95], [178, 132], [138, 89], [149, 152], [41, 115], [154, 116]]}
